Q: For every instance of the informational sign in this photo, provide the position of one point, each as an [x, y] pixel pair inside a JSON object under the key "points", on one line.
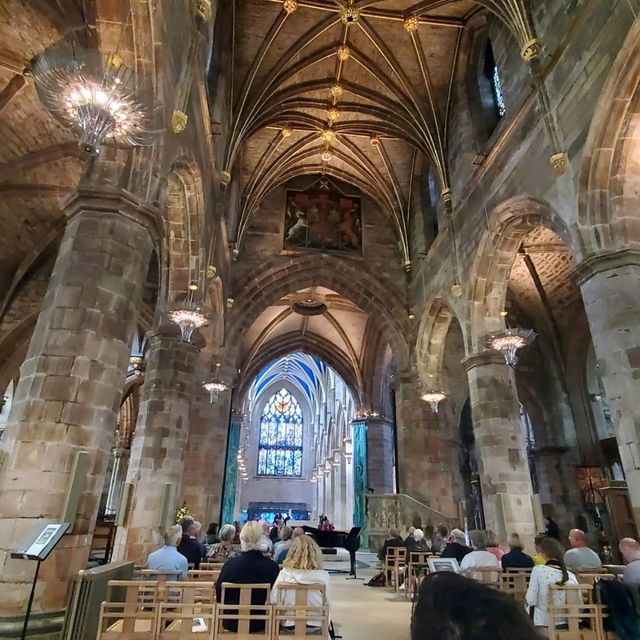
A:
{"points": [[42, 542]]}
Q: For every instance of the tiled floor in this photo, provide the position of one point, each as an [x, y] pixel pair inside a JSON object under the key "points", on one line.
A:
{"points": [[367, 613]]}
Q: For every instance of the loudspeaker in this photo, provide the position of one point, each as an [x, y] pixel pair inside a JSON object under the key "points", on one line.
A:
{"points": [[123, 507], [538, 516], [77, 479], [166, 504]]}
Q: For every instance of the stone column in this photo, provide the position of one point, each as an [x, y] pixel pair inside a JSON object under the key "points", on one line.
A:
{"points": [[158, 446], [69, 392], [503, 464], [610, 285], [204, 462], [427, 457], [380, 454]]}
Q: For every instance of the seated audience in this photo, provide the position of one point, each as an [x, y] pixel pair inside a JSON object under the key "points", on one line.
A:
{"points": [[284, 550], [416, 542], [212, 533], [250, 567], [410, 535], [439, 538], [226, 548], [456, 547], [537, 556], [197, 534], [394, 540], [493, 546], [580, 557], [479, 557], [284, 536], [554, 571], [303, 565], [266, 546], [168, 558], [451, 607], [630, 550], [516, 558], [189, 547]]}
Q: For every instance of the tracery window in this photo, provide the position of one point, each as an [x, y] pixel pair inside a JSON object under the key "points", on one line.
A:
{"points": [[280, 443], [492, 73]]}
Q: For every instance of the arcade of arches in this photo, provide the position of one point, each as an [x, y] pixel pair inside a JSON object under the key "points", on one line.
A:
{"points": [[358, 193]]}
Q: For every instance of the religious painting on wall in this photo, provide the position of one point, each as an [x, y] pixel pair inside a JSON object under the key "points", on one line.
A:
{"points": [[323, 217]]}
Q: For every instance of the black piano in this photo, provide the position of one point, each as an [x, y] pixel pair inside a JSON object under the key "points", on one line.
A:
{"points": [[338, 539]]}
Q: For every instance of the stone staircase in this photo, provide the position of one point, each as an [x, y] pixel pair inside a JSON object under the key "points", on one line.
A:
{"points": [[397, 510]]}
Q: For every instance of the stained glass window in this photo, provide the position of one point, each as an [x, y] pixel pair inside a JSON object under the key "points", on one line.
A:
{"points": [[280, 444]]}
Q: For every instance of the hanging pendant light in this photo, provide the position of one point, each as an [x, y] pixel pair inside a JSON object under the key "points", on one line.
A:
{"points": [[95, 94], [434, 397], [189, 315], [509, 340], [216, 386]]}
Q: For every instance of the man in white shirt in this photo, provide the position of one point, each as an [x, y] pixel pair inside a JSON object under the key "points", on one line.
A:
{"points": [[479, 557], [580, 557]]}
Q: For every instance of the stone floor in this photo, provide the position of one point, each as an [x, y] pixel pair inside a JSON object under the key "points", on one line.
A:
{"points": [[366, 613]]}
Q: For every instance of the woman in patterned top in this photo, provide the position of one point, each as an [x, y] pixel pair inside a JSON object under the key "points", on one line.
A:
{"points": [[225, 549]]}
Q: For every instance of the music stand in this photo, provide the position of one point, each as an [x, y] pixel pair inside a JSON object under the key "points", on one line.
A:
{"points": [[352, 544]]}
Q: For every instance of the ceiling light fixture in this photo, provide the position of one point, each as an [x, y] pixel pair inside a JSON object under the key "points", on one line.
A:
{"points": [[326, 155], [508, 341], [95, 94], [189, 315], [216, 386], [434, 397]]}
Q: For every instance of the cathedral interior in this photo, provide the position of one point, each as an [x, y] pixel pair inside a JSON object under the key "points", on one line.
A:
{"points": [[377, 260]]}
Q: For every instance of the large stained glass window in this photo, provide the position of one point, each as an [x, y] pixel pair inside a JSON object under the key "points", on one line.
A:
{"points": [[280, 444]]}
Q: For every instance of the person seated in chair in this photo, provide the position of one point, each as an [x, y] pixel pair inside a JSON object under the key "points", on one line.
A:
{"points": [[168, 558], [189, 547], [479, 557], [250, 567], [630, 550], [456, 546], [516, 558], [417, 542], [226, 548], [303, 565], [580, 557], [394, 540]]}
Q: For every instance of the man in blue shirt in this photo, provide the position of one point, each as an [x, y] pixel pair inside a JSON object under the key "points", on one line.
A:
{"points": [[168, 558]]}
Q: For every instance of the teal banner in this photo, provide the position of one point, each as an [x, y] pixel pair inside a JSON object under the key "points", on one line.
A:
{"points": [[231, 471], [360, 479]]}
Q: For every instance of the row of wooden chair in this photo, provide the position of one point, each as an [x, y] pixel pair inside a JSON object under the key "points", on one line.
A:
{"points": [[191, 618]]}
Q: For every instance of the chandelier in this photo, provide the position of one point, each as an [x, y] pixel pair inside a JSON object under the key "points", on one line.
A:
{"points": [[216, 386], [189, 315], [95, 94], [509, 341], [434, 397]]}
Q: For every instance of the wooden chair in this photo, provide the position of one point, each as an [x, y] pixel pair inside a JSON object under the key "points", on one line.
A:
{"points": [[132, 592], [573, 614], [190, 592], [233, 621], [590, 577], [186, 621], [487, 575], [516, 582], [122, 621], [162, 577], [416, 567], [202, 575], [293, 620], [211, 566], [394, 565]]}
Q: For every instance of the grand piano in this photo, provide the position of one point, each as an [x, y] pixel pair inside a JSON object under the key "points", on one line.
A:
{"points": [[338, 540]]}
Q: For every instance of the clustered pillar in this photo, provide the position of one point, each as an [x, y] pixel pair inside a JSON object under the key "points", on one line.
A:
{"points": [[503, 464], [70, 388], [159, 443]]}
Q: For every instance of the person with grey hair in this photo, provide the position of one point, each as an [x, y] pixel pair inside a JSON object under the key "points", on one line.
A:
{"points": [[456, 546], [189, 547], [266, 545], [250, 567], [225, 549], [479, 557], [282, 546], [416, 542], [168, 558]]}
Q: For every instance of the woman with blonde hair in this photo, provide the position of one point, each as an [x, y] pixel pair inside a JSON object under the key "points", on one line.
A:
{"points": [[303, 565]]}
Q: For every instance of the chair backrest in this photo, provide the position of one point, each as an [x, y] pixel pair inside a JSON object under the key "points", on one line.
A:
{"points": [[300, 619], [185, 622], [516, 582], [590, 578], [124, 621], [396, 554], [419, 557], [487, 575], [211, 566], [132, 592], [160, 576], [573, 615], [244, 620], [190, 592], [200, 575]]}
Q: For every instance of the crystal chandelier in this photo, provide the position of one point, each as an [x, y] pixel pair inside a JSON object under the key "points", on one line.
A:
{"points": [[215, 387], [434, 397], [189, 315], [95, 94], [509, 341]]}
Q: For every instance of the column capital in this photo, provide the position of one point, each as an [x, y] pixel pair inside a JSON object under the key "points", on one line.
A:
{"points": [[483, 358], [605, 261], [115, 200]]}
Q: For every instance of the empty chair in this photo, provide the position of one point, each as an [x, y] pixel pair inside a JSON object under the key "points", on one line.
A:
{"points": [[132, 592], [418, 565], [394, 563], [573, 614], [185, 621], [190, 592], [247, 618], [127, 621]]}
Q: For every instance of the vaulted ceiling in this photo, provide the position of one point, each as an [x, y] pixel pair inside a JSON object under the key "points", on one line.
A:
{"points": [[360, 91]]}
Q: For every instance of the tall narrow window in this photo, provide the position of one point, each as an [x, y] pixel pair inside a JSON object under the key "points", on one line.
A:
{"points": [[492, 73], [280, 444]]}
